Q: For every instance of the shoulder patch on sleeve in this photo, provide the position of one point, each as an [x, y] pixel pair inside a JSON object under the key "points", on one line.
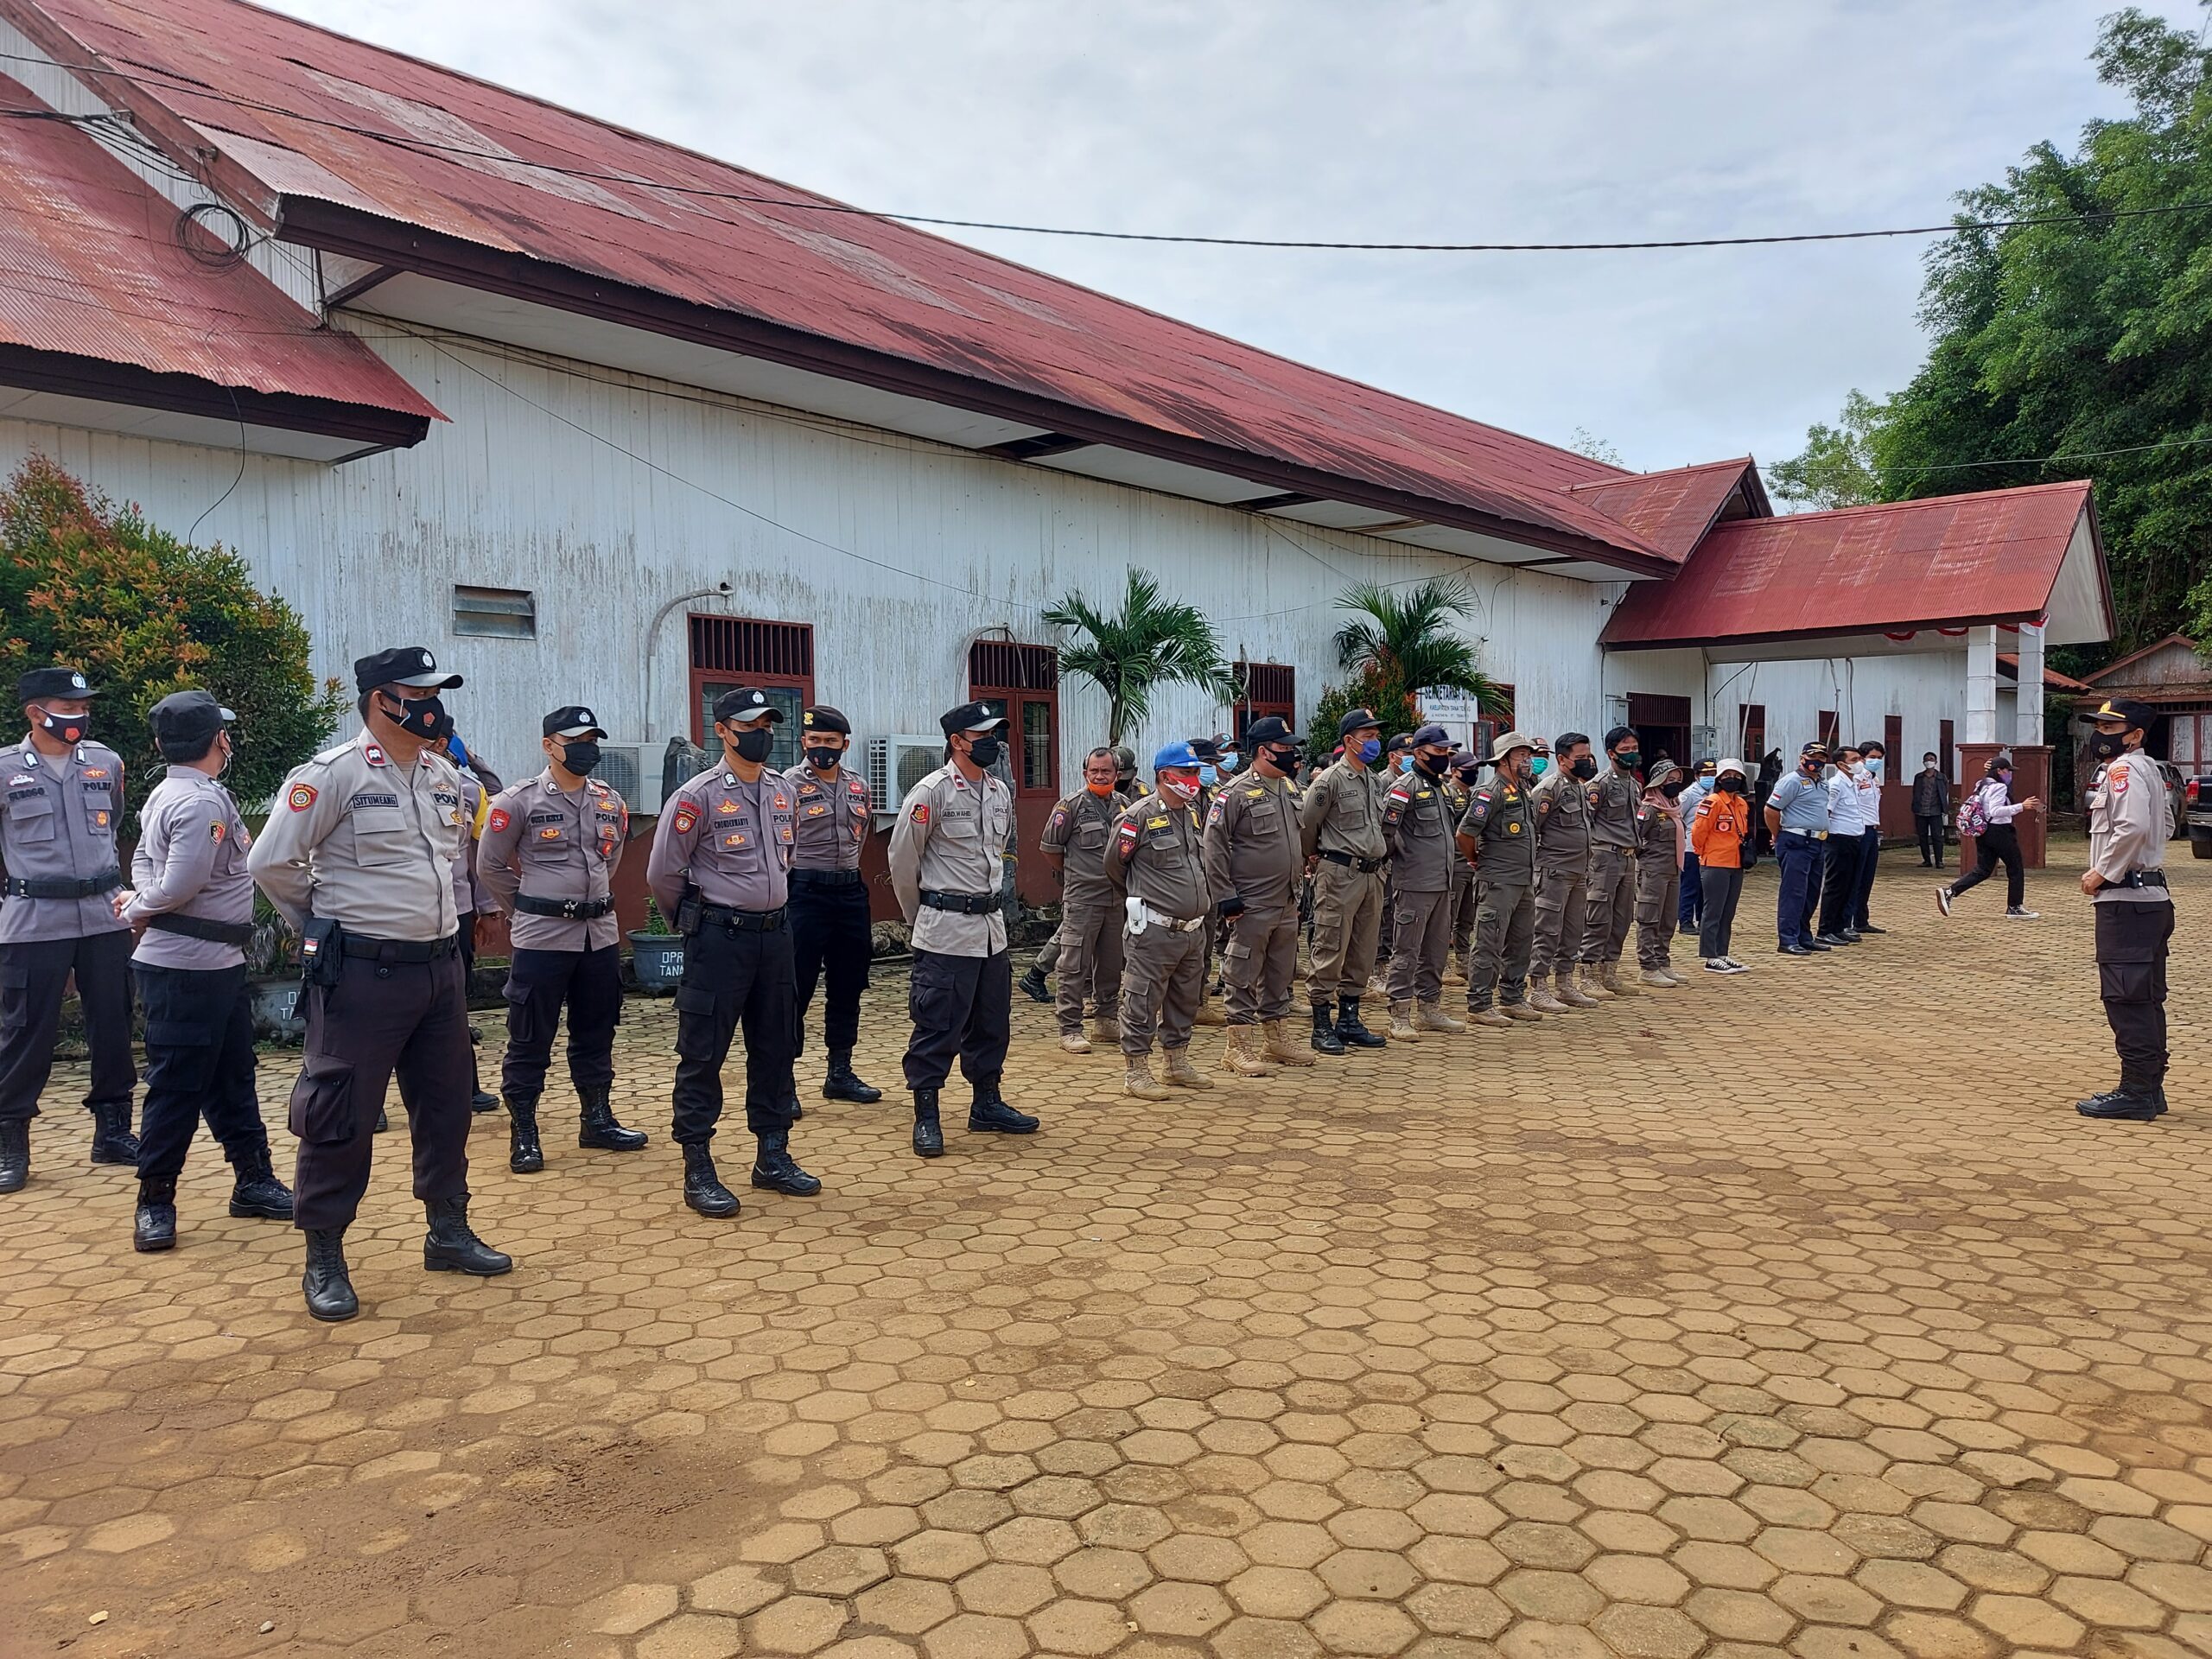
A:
{"points": [[919, 812], [687, 816], [1060, 817], [217, 831], [300, 797], [499, 820]]}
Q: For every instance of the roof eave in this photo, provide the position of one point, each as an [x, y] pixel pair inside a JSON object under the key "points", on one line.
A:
{"points": [[1996, 618]]}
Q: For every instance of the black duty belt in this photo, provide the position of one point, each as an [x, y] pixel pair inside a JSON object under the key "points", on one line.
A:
{"points": [[568, 910], [1364, 866], [741, 921], [825, 878], [358, 944], [64, 887], [2140, 879], [199, 927], [960, 903]]}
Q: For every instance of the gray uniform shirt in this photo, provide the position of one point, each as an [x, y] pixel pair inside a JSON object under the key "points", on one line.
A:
{"points": [[1342, 812], [1563, 821], [833, 818], [1254, 847], [1615, 808], [1417, 822], [191, 861], [732, 840], [541, 840], [60, 823], [359, 839], [1077, 831], [2128, 818], [952, 837], [1156, 852]]}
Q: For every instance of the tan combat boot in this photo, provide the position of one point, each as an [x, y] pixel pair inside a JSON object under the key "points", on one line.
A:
{"points": [[1209, 1013], [1402, 1029], [1455, 971], [1570, 991], [1541, 1000], [1281, 1050], [1430, 1016], [1672, 978], [1520, 1011], [1074, 1042], [1140, 1081], [1487, 1017], [1242, 1053], [1590, 980], [1107, 1032], [1609, 975], [1657, 978], [1181, 1073]]}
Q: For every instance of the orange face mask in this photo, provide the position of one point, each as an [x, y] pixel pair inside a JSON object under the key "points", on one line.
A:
{"points": [[1100, 790]]}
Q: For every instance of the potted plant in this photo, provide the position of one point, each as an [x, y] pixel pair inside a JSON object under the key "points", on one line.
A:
{"points": [[272, 967], [657, 953]]}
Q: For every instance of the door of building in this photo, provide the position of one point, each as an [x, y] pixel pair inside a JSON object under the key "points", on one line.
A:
{"points": [[1662, 726], [1025, 680]]}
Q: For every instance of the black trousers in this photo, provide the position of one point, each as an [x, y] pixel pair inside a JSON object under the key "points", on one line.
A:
{"points": [[734, 979], [1930, 832], [831, 937], [382, 1018], [540, 984], [963, 1006], [33, 974], [1839, 885], [198, 1063], [2131, 941], [1999, 843]]}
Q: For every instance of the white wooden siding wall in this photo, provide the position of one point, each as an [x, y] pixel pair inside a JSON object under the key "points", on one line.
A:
{"points": [[1924, 689]]}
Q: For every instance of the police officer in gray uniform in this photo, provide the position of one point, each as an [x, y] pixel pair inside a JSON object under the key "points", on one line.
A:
{"points": [[1497, 835], [57, 840], [721, 865], [549, 850], [194, 898], [357, 856], [1419, 827], [832, 936], [947, 852]]}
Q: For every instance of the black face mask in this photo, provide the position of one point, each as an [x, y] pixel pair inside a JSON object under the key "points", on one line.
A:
{"points": [[1730, 785], [1281, 760], [824, 760], [65, 728], [1585, 766], [581, 756], [984, 752], [424, 717], [1672, 789], [2106, 746], [755, 744], [1432, 764]]}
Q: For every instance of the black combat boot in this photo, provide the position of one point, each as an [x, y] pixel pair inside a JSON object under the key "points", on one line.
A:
{"points": [[155, 1226], [112, 1142], [525, 1155], [479, 1101], [702, 1189], [1352, 1029], [989, 1114], [929, 1135], [775, 1170], [329, 1290], [1034, 983], [15, 1153], [2131, 1103], [841, 1082], [255, 1190], [450, 1247], [382, 1123], [599, 1130], [1326, 1038]]}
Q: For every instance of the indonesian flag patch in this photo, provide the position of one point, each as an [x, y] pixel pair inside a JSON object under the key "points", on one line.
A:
{"points": [[301, 797]]}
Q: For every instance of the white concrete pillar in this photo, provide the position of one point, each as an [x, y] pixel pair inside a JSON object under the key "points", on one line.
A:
{"points": [[1982, 685], [2028, 703]]}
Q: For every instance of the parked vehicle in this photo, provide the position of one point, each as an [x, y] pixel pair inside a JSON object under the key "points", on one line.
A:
{"points": [[2196, 810]]}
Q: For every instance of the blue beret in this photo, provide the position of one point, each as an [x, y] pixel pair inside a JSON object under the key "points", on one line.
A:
{"points": [[1175, 755]]}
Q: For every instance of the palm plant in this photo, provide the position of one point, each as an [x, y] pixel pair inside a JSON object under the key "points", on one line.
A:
{"points": [[1151, 642], [1401, 642]]}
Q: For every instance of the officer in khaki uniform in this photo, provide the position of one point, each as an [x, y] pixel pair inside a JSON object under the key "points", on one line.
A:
{"points": [[833, 938], [1340, 823], [1659, 849], [1459, 900], [357, 856], [547, 857], [1418, 824], [1216, 766], [2129, 814], [947, 853], [1617, 813], [1155, 865], [1252, 861], [1562, 802], [1497, 834], [1090, 964], [1128, 787]]}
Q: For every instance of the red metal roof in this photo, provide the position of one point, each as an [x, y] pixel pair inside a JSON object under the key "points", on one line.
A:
{"points": [[90, 267], [1945, 562], [1671, 510], [459, 168], [2052, 677]]}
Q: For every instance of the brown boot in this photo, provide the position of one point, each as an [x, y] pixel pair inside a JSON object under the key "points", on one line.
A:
{"points": [[1609, 975], [1520, 1011], [1657, 978], [1486, 1017], [1181, 1073], [1455, 972], [1402, 1029], [1140, 1081], [1242, 1054], [1430, 1016], [1074, 1042], [1106, 1034], [1590, 980], [1541, 1000], [1209, 1013], [1281, 1050]]}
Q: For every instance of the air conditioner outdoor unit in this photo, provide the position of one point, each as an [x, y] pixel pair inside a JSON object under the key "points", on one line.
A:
{"points": [[895, 765], [633, 772]]}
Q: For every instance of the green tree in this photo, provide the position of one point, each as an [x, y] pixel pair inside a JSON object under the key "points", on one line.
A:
{"points": [[88, 583], [1150, 642], [1400, 642], [1836, 468], [1586, 443]]}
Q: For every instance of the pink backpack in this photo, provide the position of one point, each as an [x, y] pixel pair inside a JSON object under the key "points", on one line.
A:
{"points": [[1974, 817]]}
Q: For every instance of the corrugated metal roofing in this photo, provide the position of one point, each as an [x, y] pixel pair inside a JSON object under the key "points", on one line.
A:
{"points": [[1671, 510], [1909, 564], [460, 167], [90, 266]]}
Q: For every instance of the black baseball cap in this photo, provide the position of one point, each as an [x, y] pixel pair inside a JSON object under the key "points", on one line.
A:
{"points": [[743, 703], [1269, 728], [188, 721], [822, 718], [53, 683], [2137, 714], [1429, 734], [1399, 744], [974, 717], [1207, 749], [410, 665], [1356, 720], [575, 721]]}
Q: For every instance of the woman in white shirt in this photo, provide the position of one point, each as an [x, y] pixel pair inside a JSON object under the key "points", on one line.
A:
{"points": [[1998, 842]]}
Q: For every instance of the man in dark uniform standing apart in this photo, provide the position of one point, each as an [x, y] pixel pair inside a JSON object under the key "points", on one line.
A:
{"points": [[57, 840], [947, 861], [2129, 815], [357, 856], [192, 895], [549, 849], [1497, 835], [831, 934], [720, 864]]}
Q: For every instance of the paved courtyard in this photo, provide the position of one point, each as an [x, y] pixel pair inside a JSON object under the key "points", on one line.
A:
{"points": [[1792, 1313]]}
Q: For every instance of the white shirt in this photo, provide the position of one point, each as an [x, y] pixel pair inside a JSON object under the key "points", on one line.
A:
{"points": [[1844, 816], [1869, 800], [1997, 802]]}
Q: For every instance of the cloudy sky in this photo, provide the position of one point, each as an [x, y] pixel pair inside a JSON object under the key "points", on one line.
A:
{"points": [[1572, 120]]}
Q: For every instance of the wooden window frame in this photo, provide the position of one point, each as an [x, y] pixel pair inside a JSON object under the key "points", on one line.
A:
{"points": [[1040, 684], [1829, 729], [1248, 708], [787, 678], [1750, 753]]}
